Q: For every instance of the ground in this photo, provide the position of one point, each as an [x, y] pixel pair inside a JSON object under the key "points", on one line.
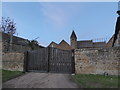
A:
{"points": [[97, 81], [7, 74], [41, 80]]}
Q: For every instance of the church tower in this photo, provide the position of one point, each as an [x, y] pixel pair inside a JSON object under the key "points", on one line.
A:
{"points": [[73, 40]]}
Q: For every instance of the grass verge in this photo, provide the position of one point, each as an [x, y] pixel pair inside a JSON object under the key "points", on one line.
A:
{"points": [[7, 75], [96, 81]]}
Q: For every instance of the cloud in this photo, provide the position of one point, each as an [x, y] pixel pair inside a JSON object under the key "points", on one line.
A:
{"points": [[55, 13], [60, 14]]}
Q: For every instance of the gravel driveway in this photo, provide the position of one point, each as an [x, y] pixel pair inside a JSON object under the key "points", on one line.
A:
{"points": [[41, 80]]}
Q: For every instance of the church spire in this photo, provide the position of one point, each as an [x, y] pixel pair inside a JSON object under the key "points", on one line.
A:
{"points": [[73, 35], [73, 40]]}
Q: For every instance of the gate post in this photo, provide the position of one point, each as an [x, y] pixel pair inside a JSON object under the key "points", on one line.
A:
{"points": [[25, 69], [48, 50], [73, 61]]}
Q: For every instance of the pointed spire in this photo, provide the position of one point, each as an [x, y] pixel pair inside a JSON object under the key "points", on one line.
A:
{"points": [[73, 35]]}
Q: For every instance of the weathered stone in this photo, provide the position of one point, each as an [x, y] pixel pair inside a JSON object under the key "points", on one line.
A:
{"points": [[13, 61], [97, 61]]}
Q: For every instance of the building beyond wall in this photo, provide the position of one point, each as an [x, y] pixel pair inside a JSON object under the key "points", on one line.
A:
{"points": [[18, 44], [97, 61], [85, 43]]}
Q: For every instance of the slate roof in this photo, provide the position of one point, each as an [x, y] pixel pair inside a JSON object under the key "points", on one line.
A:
{"points": [[90, 44], [85, 44], [73, 35]]}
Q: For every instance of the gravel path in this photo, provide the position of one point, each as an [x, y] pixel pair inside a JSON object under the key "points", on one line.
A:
{"points": [[41, 80]]}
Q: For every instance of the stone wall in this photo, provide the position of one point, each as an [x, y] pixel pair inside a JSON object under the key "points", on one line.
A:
{"points": [[97, 61], [13, 61], [15, 47], [18, 44]]}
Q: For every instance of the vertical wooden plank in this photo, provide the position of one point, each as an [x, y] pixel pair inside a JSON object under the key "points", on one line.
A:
{"points": [[40, 60], [72, 61], [25, 61], [51, 59], [32, 56], [37, 57], [54, 61], [35, 60], [29, 61]]}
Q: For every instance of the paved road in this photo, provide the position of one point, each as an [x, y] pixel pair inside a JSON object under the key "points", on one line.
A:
{"points": [[41, 80]]}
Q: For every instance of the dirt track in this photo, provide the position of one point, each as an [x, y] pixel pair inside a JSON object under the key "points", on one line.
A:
{"points": [[41, 80]]}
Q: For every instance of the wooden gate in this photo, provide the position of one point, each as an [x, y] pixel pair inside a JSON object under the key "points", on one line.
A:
{"points": [[50, 60], [37, 60]]}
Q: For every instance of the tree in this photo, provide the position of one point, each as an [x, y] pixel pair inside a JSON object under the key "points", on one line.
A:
{"points": [[8, 26], [34, 44]]}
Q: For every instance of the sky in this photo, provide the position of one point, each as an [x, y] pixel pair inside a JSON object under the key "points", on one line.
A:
{"points": [[55, 21]]}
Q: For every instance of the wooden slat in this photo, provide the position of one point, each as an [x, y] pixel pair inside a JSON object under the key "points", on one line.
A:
{"points": [[38, 60], [59, 61]]}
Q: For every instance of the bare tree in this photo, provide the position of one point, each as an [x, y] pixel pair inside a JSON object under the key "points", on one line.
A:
{"points": [[8, 26]]}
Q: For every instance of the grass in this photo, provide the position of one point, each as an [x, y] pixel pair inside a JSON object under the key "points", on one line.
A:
{"points": [[7, 75], [96, 81]]}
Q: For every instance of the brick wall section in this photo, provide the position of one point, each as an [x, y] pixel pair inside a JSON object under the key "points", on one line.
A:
{"points": [[97, 61], [13, 61]]}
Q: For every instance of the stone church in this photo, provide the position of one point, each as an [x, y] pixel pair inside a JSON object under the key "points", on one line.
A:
{"points": [[74, 44], [85, 43]]}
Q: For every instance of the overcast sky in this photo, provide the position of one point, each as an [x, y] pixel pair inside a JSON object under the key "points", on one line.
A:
{"points": [[55, 21]]}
